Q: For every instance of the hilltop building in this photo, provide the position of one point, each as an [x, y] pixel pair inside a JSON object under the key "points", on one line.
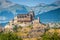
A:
{"points": [[25, 20], [22, 19], [25, 17]]}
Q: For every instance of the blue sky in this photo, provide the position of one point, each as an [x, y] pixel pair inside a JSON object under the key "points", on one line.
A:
{"points": [[8, 15], [32, 2]]}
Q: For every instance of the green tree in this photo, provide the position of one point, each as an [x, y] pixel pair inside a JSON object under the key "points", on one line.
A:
{"points": [[9, 36], [15, 28], [30, 26], [51, 37]]}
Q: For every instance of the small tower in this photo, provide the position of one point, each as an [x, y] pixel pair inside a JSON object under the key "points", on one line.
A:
{"points": [[32, 14], [38, 19]]}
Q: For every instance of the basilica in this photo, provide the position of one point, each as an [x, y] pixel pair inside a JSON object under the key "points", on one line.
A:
{"points": [[25, 20]]}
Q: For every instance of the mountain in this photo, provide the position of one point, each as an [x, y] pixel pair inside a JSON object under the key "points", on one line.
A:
{"points": [[5, 4], [18, 9], [9, 10], [52, 16], [45, 7], [48, 13], [57, 3]]}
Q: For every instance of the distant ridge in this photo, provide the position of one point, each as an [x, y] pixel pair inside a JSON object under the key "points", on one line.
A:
{"points": [[50, 16]]}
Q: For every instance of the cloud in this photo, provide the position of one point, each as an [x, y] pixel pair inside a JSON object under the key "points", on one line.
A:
{"points": [[3, 19]]}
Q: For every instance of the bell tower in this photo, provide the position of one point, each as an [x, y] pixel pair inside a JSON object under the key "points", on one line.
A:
{"points": [[32, 14], [38, 19]]}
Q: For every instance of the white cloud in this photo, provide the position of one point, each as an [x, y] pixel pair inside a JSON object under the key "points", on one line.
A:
{"points": [[2, 18], [3, 21]]}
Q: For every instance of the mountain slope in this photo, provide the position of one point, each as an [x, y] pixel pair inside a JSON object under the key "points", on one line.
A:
{"points": [[46, 7], [5, 4], [50, 16]]}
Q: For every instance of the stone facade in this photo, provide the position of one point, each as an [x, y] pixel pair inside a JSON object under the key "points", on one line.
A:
{"points": [[25, 17]]}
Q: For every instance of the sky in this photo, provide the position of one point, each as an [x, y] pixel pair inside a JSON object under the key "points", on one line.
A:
{"points": [[32, 2], [29, 3]]}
